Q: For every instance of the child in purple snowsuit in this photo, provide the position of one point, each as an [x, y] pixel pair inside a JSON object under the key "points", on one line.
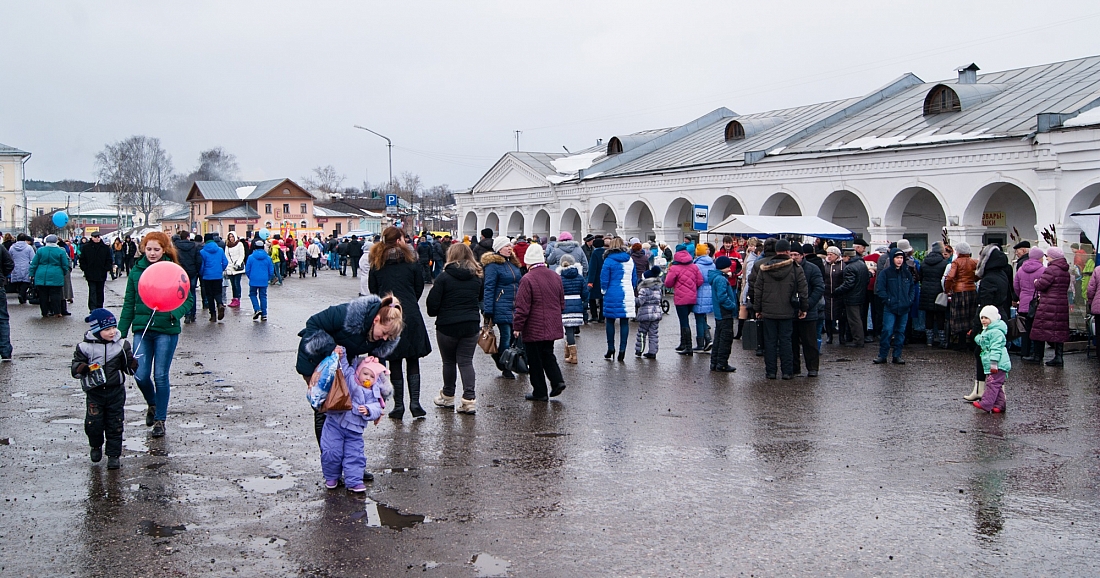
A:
{"points": [[995, 359], [342, 435]]}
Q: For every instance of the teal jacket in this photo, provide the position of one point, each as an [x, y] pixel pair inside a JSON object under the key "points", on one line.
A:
{"points": [[50, 265], [723, 294], [135, 313], [993, 340]]}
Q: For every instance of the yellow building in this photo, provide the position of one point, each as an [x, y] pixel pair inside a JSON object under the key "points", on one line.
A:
{"points": [[12, 214]]}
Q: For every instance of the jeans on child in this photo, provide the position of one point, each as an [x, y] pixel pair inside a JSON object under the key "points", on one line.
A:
{"points": [[258, 295], [342, 451], [155, 349]]}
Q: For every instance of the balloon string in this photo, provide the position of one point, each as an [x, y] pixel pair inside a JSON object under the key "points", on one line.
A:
{"points": [[138, 348]]}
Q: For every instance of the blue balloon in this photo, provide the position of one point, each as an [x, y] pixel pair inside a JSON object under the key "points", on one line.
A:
{"points": [[264, 233], [60, 219]]}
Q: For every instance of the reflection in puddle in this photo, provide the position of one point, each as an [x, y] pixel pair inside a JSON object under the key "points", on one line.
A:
{"points": [[69, 420], [549, 434], [379, 515], [191, 425], [268, 484], [156, 466], [161, 452], [135, 445], [151, 528], [398, 470], [487, 565]]}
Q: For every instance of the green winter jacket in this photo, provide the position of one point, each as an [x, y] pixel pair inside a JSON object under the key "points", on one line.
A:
{"points": [[135, 313], [992, 340], [50, 265]]}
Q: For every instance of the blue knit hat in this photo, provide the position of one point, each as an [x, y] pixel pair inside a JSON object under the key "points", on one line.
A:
{"points": [[101, 319], [652, 272]]}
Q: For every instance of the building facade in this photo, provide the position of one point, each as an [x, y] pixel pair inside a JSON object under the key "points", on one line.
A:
{"points": [[978, 158], [13, 215]]}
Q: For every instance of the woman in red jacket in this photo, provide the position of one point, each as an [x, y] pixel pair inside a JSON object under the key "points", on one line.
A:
{"points": [[540, 302]]}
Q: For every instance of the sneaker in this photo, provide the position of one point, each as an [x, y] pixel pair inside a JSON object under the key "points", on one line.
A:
{"points": [[358, 488], [899, 361], [331, 484], [637, 353], [533, 397], [150, 413], [811, 373], [650, 356], [113, 463], [158, 429], [96, 455], [878, 360], [5, 358], [263, 318], [255, 315], [368, 477]]}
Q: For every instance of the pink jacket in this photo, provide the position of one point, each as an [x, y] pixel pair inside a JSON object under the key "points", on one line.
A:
{"points": [[684, 278], [1024, 282], [1090, 294]]}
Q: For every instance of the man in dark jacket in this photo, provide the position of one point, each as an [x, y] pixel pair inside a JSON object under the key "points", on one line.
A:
{"points": [[355, 252], [896, 288], [780, 295], [439, 255], [342, 255], [1022, 249], [853, 291], [188, 252], [485, 245], [595, 265], [806, 330], [930, 278], [424, 252], [7, 265], [96, 262], [129, 251]]}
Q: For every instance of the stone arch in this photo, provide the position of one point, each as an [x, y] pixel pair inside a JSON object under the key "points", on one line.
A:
{"points": [[571, 221], [603, 219], [541, 225], [723, 207], [782, 204], [848, 209], [896, 211], [515, 224], [920, 214], [492, 221], [679, 212], [1086, 198], [1016, 202], [639, 220], [469, 225]]}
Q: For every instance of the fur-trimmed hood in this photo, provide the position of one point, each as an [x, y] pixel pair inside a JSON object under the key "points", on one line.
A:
{"points": [[650, 283], [497, 259], [358, 317]]}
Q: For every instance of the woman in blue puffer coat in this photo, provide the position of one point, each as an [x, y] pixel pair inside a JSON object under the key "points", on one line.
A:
{"points": [[617, 280], [502, 276], [703, 300]]}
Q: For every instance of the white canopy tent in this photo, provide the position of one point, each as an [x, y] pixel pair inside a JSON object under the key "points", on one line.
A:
{"points": [[763, 226], [1089, 221]]}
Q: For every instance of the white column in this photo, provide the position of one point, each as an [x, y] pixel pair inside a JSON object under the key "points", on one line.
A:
{"points": [[971, 234]]}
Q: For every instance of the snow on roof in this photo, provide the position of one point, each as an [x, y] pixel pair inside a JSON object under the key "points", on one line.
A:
{"points": [[243, 192], [571, 164], [1084, 119], [873, 142]]}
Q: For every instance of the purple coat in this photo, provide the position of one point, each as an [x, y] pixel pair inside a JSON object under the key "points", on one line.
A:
{"points": [[1090, 294], [1024, 282], [540, 302], [1052, 319]]}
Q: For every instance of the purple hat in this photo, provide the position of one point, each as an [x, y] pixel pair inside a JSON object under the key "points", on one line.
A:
{"points": [[1055, 253]]}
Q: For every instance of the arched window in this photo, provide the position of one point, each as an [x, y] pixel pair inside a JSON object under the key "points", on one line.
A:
{"points": [[735, 131], [614, 146], [941, 99]]}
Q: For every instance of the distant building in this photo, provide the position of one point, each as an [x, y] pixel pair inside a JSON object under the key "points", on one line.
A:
{"points": [[13, 216], [88, 211], [279, 205], [987, 157]]}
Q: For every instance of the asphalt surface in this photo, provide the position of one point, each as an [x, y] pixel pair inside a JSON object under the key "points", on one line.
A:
{"points": [[642, 468]]}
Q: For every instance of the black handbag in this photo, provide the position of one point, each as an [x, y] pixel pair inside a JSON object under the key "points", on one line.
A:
{"points": [[1032, 307], [514, 358]]}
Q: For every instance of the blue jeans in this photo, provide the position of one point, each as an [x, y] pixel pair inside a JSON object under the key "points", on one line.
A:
{"points": [[505, 330], [701, 326], [235, 282], [155, 350], [5, 325], [893, 332], [624, 332], [260, 303]]}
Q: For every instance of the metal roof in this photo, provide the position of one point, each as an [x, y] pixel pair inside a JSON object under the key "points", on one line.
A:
{"points": [[12, 151], [323, 212], [233, 190], [181, 215], [241, 212]]}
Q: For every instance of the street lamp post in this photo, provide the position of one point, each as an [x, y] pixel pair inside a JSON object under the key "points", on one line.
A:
{"points": [[389, 145]]}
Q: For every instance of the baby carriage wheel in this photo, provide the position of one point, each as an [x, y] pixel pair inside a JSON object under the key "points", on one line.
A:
{"points": [[664, 306]]}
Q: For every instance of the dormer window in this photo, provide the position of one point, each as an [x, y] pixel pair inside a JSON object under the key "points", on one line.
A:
{"points": [[735, 131], [941, 99], [614, 146]]}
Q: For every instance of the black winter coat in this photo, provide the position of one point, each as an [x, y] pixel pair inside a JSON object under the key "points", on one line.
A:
{"points": [[189, 257], [856, 277], [931, 281], [482, 247], [355, 250], [996, 286], [347, 325], [453, 301], [834, 278], [95, 260], [424, 251], [406, 282], [815, 286]]}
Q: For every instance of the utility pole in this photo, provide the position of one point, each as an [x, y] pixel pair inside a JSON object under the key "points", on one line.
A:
{"points": [[518, 132]]}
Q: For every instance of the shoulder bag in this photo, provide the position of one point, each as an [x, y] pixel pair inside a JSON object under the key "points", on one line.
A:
{"points": [[487, 339], [515, 358]]}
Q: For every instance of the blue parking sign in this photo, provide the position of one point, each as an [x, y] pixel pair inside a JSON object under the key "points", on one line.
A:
{"points": [[391, 200]]}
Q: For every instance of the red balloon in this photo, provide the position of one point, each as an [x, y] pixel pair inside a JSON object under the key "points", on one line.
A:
{"points": [[163, 286]]}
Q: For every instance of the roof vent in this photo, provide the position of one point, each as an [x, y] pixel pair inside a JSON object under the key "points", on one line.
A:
{"points": [[968, 74]]}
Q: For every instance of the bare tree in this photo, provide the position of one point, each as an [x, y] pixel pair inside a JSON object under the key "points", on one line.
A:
{"points": [[217, 165], [324, 179], [137, 169]]}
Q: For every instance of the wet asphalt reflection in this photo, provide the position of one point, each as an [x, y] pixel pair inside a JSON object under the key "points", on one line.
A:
{"points": [[640, 468]]}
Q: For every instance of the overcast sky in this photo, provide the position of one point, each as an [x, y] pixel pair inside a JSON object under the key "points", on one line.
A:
{"points": [[280, 84]]}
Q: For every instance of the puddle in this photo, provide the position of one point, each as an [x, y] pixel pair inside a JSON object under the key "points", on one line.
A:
{"points": [[19, 394], [398, 470], [159, 452], [38, 410], [232, 407], [156, 466], [191, 425], [550, 434], [380, 515], [273, 423], [268, 484], [151, 528], [135, 445], [70, 420], [5, 441], [487, 565], [226, 389]]}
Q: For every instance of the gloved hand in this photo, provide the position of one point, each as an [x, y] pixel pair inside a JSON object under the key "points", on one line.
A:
{"points": [[133, 364], [82, 369]]}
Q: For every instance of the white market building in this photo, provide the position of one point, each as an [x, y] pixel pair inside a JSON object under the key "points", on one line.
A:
{"points": [[985, 156]]}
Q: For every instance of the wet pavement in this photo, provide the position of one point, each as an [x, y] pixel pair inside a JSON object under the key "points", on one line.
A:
{"points": [[642, 468]]}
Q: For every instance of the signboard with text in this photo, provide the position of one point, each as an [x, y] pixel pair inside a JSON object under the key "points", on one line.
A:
{"points": [[391, 204], [994, 219]]}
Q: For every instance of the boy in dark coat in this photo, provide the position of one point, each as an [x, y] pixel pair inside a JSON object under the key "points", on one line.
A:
{"points": [[96, 262], [897, 288], [102, 362]]}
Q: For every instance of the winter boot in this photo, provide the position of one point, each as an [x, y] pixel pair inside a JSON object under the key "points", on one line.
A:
{"points": [[700, 343], [977, 392], [1057, 361], [741, 327], [929, 337], [467, 406], [685, 342], [571, 354], [443, 400], [213, 316], [414, 396], [944, 342], [708, 340], [1038, 350], [398, 383]]}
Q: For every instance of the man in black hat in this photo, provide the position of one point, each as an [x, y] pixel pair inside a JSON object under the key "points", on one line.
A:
{"points": [[485, 245], [95, 261], [1022, 248]]}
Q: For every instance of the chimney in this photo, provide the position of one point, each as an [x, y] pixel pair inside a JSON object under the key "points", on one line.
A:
{"points": [[599, 142], [968, 74]]}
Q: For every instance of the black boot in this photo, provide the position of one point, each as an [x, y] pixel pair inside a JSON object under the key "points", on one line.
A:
{"points": [[740, 327], [708, 340], [1057, 361], [683, 344], [398, 383], [1038, 350], [414, 396]]}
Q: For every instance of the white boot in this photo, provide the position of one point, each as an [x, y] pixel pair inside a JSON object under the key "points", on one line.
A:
{"points": [[468, 406], [979, 391], [444, 400]]}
